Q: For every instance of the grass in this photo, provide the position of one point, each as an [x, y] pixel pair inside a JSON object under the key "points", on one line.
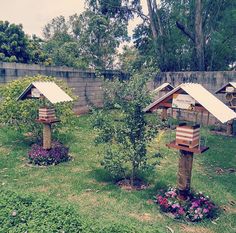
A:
{"points": [[83, 184]]}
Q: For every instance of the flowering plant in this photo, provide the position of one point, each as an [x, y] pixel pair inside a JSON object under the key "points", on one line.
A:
{"points": [[57, 154], [194, 209]]}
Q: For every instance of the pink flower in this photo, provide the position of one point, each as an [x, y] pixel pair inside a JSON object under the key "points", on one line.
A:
{"points": [[181, 211], [205, 210], [195, 204], [176, 205]]}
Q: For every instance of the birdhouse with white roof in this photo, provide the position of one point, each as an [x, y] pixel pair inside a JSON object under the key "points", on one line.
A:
{"points": [[53, 94], [229, 90], [193, 98]]}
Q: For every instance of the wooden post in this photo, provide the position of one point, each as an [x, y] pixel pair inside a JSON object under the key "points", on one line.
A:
{"points": [[184, 174], [229, 128], [164, 114], [47, 136]]}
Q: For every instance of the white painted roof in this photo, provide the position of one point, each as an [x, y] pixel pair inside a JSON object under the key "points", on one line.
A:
{"points": [[162, 87], [49, 90], [217, 108], [233, 84]]}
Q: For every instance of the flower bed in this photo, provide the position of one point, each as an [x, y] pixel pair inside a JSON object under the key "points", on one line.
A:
{"points": [[39, 156], [197, 208]]}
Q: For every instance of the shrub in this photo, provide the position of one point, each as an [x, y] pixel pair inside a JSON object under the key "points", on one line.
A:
{"points": [[195, 209], [125, 132], [57, 154], [21, 115], [29, 214]]}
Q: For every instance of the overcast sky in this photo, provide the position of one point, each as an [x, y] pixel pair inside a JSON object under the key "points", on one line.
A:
{"points": [[34, 14]]}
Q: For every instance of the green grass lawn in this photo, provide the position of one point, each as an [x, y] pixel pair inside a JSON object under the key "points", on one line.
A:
{"points": [[83, 184]]}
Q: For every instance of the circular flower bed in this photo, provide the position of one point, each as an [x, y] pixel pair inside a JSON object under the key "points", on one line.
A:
{"points": [[57, 154], [196, 208]]}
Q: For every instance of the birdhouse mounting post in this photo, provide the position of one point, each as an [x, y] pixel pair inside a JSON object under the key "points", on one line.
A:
{"points": [[47, 136], [184, 174]]}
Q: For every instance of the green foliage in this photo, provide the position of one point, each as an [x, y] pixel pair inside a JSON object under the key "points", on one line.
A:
{"points": [[16, 46], [37, 55], [86, 40], [99, 39], [21, 115], [172, 48], [13, 43], [125, 131], [28, 214]]}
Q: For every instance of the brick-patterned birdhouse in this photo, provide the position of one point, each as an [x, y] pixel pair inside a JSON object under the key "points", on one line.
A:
{"points": [[187, 135], [47, 114]]}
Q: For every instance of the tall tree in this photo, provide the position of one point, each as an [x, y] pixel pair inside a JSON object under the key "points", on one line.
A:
{"points": [[13, 43]]}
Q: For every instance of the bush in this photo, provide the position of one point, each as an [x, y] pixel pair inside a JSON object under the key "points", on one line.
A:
{"points": [[195, 209], [21, 115], [57, 154], [27, 214]]}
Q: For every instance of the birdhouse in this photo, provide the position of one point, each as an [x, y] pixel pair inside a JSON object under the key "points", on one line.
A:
{"points": [[230, 94], [187, 135], [194, 98], [49, 90], [46, 115]]}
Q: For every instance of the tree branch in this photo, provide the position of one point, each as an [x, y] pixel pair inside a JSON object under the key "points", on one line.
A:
{"points": [[185, 30]]}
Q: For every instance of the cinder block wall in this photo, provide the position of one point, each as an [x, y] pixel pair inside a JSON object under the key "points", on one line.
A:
{"points": [[87, 86]]}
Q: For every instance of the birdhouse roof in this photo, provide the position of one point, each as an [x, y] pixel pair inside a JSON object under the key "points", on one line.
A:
{"points": [[223, 89], [202, 96], [163, 87], [49, 90]]}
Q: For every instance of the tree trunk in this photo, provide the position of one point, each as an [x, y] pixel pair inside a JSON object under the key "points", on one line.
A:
{"points": [[199, 38], [152, 22], [157, 29]]}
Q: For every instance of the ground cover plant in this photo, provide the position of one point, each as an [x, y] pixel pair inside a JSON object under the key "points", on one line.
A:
{"points": [[84, 184]]}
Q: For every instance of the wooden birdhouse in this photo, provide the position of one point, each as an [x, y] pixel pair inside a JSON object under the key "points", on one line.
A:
{"points": [[229, 90], [46, 114], [187, 135], [194, 98]]}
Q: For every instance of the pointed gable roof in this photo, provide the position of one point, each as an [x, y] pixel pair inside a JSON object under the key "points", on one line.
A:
{"points": [[49, 90], [223, 89], [163, 87], [203, 97]]}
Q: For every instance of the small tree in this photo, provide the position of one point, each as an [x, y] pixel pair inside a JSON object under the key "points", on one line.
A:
{"points": [[125, 130]]}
